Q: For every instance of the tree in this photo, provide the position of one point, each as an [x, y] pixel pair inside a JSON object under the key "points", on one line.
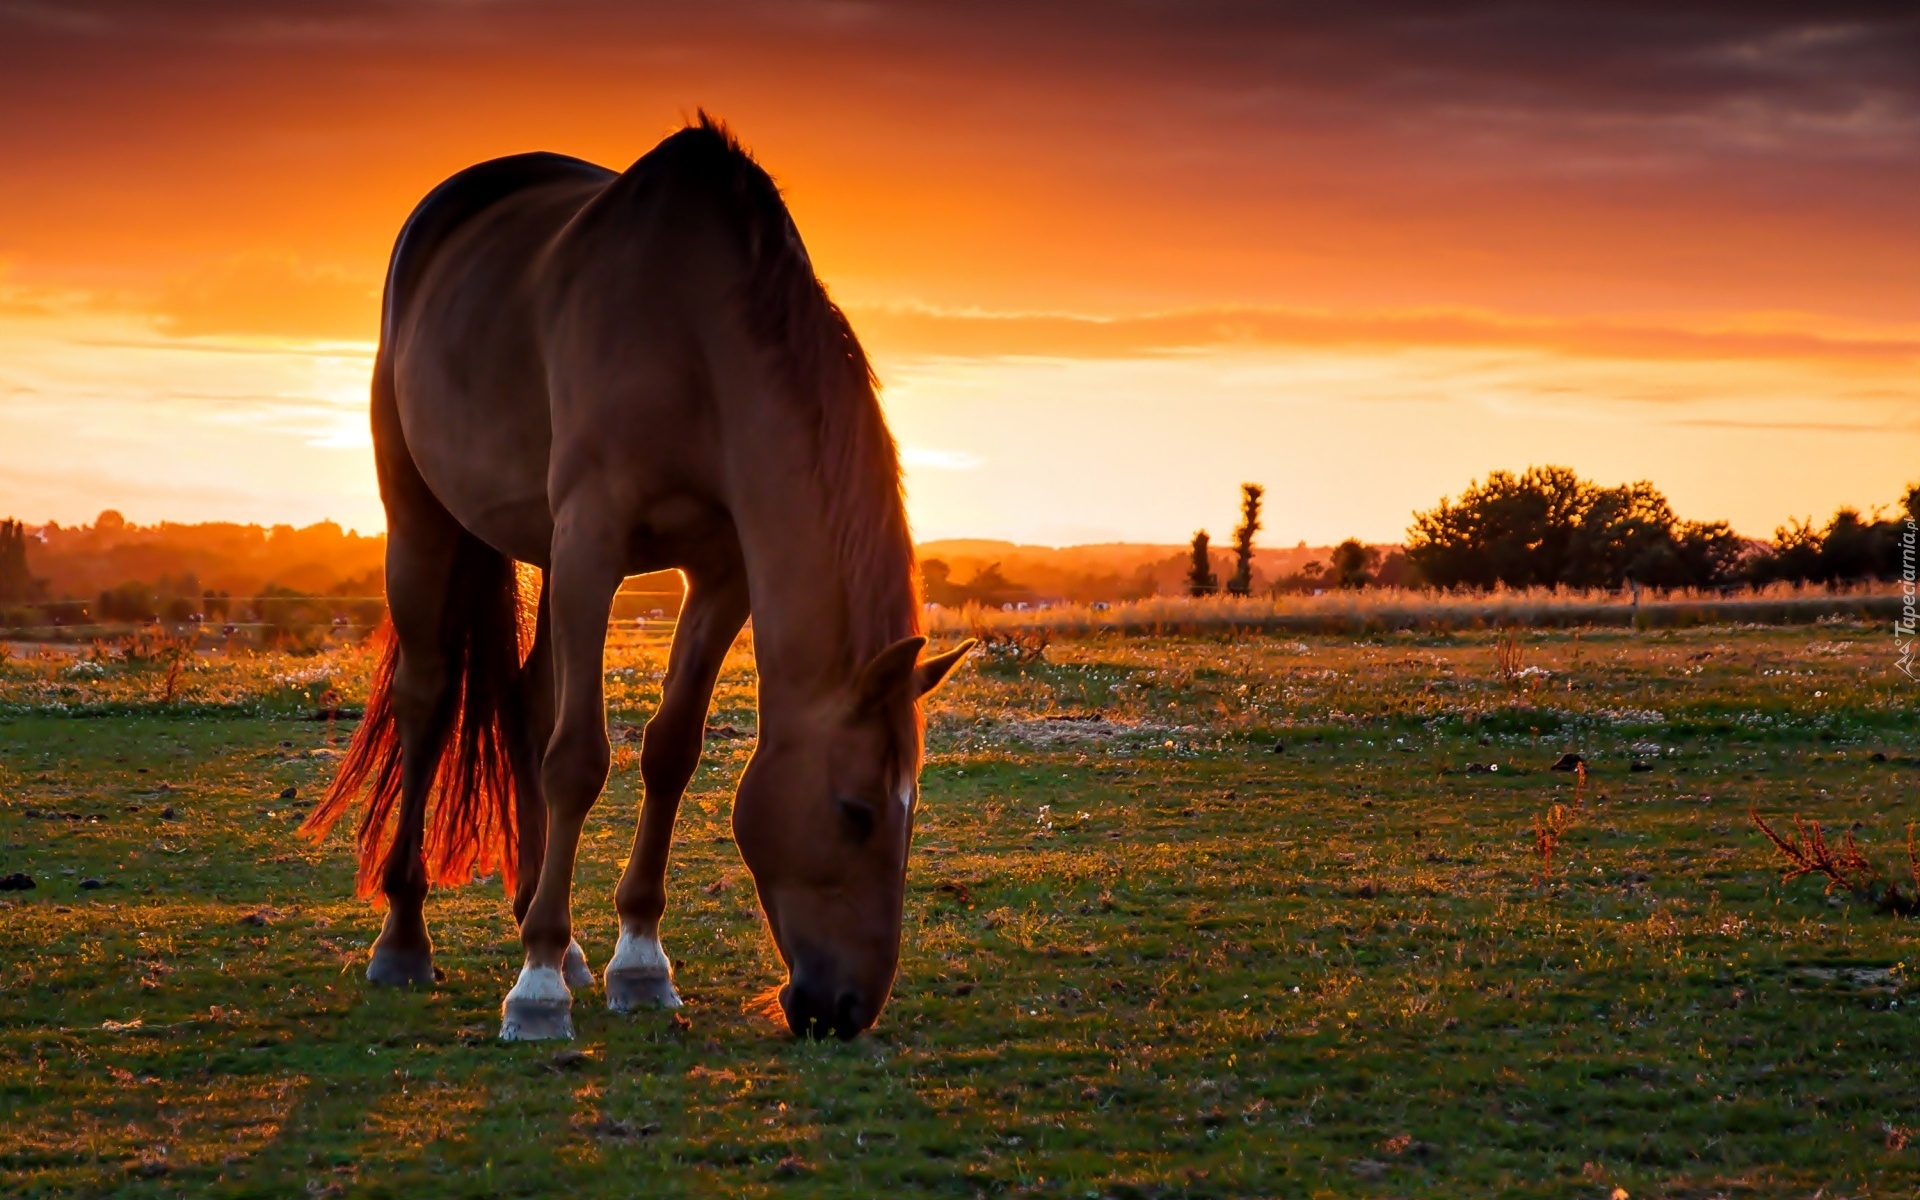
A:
{"points": [[1548, 527], [936, 584], [1353, 562], [988, 586], [1849, 549], [1242, 582], [1710, 551], [1201, 580], [1794, 554], [993, 589], [1517, 530], [1620, 534], [17, 584]]}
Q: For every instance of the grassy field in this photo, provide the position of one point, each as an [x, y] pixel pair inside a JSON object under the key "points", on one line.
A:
{"points": [[1148, 954]]}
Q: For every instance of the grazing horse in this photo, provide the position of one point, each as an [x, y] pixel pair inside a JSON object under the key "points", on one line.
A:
{"points": [[604, 374]]}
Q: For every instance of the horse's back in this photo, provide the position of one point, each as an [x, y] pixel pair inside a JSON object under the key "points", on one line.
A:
{"points": [[460, 334], [467, 194]]}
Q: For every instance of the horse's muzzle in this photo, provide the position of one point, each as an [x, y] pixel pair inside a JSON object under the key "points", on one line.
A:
{"points": [[818, 1012]]}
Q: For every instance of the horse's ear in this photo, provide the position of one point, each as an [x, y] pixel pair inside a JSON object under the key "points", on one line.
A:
{"points": [[887, 676], [929, 673]]}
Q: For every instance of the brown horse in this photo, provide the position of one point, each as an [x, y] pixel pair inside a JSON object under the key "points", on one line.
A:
{"points": [[600, 375]]}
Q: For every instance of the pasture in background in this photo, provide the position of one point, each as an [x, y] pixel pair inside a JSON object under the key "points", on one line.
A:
{"points": [[1212, 914]]}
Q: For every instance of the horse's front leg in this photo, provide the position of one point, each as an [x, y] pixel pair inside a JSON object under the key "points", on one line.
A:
{"points": [[640, 974], [585, 574]]}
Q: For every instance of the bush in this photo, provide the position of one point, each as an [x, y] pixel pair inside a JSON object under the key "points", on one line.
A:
{"points": [[128, 602]]}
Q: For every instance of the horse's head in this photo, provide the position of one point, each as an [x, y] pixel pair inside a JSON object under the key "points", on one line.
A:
{"points": [[823, 819]]}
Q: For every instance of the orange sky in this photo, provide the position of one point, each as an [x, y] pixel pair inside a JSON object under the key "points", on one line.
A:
{"points": [[1111, 260]]}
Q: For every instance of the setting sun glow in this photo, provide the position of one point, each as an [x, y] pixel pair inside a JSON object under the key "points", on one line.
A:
{"points": [[1107, 269]]}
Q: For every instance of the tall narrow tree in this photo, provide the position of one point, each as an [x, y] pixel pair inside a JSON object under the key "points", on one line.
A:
{"points": [[17, 584], [1242, 582], [1201, 581]]}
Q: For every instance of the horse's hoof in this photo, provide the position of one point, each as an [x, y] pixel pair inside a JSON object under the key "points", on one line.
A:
{"points": [[640, 975], [395, 967], [627, 991], [538, 1008], [574, 967]]}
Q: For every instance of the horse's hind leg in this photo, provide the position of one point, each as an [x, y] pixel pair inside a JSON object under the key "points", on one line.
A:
{"points": [[530, 811], [421, 555], [640, 974]]}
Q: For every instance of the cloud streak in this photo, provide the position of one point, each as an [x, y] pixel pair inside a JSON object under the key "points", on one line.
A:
{"points": [[916, 330]]}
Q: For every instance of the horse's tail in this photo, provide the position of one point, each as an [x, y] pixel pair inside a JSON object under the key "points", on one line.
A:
{"points": [[469, 823]]}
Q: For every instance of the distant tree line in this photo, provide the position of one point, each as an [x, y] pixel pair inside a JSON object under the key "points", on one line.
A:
{"points": [[327, 577], [1353, 564], [1547, 527], [988, 588]]}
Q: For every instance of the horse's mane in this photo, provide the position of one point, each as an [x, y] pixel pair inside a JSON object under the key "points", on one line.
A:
{"points": [[858, 468]]}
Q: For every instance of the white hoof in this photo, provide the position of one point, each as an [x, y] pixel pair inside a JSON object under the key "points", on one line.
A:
{"points": [[539, 1007], [574, 967], [640, 975]]}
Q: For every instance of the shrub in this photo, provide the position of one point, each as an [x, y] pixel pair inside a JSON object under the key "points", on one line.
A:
{"points": [[1201, 581]]}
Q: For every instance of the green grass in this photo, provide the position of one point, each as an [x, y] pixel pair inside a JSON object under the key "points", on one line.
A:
{"points": [[1145, 956]]}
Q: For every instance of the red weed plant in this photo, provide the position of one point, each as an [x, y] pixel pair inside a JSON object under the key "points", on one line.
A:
{"points": [[1549, 830], [1845, 867]]}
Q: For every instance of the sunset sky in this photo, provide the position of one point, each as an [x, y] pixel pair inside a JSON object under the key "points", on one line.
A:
{"points": [[1110, 259]]}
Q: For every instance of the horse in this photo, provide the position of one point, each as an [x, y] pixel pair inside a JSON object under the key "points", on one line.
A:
{"points": [[601, 374]]}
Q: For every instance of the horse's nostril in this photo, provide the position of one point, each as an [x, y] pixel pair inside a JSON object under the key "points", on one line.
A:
{"points": [[808, 1013], [849, 1014]]}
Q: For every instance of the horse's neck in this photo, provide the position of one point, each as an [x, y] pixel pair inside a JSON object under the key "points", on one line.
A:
{"points": [[800, 617], [808, 639]]}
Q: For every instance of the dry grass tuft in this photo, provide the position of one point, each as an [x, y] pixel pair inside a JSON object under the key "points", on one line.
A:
{"points": [[766, 1005], [1509, 658]]}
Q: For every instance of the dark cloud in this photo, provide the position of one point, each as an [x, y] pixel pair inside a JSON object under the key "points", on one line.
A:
{"points": [[1238, 142], [1814, 61]]}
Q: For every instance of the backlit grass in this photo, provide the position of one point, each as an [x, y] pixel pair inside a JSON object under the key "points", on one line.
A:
{"points": [[1147, 955]]}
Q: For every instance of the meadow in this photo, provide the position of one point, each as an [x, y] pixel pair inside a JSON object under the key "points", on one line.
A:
{"points": [[1234, 914]]}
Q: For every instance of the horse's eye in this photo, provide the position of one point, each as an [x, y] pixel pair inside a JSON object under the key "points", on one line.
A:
{"points": [[858, 819]]}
